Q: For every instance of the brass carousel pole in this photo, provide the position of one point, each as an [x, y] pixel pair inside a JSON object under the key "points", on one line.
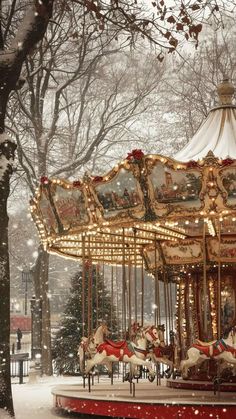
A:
{"points": [[97, 306], [129, 297], [219, 287], [171, 307], [157, 296], [123, 286], [117, 302], [167, 306], [103, 274], [155, 293], [89, 305], [112, 294], [142, 293], [135, 279], [204, 283], [83, 284]]}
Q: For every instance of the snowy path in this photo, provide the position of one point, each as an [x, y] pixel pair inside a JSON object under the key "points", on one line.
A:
{"points": [[35, 401]]}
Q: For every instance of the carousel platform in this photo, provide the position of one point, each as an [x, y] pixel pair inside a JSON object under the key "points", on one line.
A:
{"points": [[149, 400], [201, 385]]}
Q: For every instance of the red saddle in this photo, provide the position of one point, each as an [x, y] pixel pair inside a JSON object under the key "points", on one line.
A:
{"points": [[120, 344], [205, 350], [117, 349], [215, 349]]}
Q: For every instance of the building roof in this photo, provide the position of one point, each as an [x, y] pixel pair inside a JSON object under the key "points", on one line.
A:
{"points": [[217, 133]]}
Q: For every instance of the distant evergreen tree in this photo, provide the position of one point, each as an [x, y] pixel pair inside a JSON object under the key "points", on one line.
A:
{"points": [[67, 339]]}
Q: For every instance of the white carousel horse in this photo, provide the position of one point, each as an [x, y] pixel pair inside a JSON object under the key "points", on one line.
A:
{"points": [[162, 353], [88, 346], [128, 352], [223, 349]]}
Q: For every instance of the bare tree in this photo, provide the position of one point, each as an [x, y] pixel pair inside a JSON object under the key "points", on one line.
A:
{"points": [[63, 117], [23, 25], [13, 54]]}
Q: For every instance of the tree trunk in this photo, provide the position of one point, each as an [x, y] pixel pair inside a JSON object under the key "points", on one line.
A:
{"points": [[31, 30], [42, 301], [6, 153]]}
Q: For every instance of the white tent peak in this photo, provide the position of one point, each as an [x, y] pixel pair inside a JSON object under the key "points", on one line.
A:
{"points": [[225, 92], [217, 132]]}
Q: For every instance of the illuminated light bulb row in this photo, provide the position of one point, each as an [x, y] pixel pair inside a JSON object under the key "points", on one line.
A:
{"points": [[158, 227], [170, 233], [140, 239], [210, 226], [40, 227], [100, 254], [191, 300], [182, 307], [177, 306], [213, 309], [174, 224]]}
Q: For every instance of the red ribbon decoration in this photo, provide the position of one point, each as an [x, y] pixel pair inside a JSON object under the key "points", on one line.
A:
{"points": [[76, 183], [135, 155], [44, 180]]}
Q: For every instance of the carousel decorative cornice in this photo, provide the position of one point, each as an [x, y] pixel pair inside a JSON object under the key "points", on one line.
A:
{"points": [[98, 210]]}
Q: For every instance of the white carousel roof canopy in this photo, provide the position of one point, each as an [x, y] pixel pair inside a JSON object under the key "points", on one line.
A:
{"points": [[217, 133]]}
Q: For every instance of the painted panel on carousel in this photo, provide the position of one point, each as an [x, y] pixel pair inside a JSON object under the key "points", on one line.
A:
{"points": [[176, 187], [229, 182], [48, 217], [187, 251], [121, 193], [70, 206], [227, 249], [152, 258]]}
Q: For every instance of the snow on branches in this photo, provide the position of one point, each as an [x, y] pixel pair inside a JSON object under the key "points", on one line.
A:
{"points": [[7, 147]]}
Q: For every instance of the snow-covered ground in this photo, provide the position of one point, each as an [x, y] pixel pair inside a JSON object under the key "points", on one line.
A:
{"points": [[35, 401]]}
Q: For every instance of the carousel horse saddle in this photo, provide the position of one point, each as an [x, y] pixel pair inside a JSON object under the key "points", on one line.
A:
{"points": [[215, 349], [201, 343], [120, 344]]}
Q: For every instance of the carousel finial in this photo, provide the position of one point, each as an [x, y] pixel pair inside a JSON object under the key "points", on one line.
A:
{"points": [[225, 91]]}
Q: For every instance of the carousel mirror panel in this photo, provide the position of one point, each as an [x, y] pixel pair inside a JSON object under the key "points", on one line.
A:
{"points": [[228, 177], [70, 205], [184, 252], [175, 187], [62, 207], [225, 248], [120, 193]]}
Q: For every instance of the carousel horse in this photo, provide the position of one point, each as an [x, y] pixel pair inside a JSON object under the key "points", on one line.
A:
{"points": [[223, 349], [88, 345], [126, 351], [162, 353]]}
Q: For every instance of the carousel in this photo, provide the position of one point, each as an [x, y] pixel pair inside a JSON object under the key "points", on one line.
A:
{"points": [[176, 220]]}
